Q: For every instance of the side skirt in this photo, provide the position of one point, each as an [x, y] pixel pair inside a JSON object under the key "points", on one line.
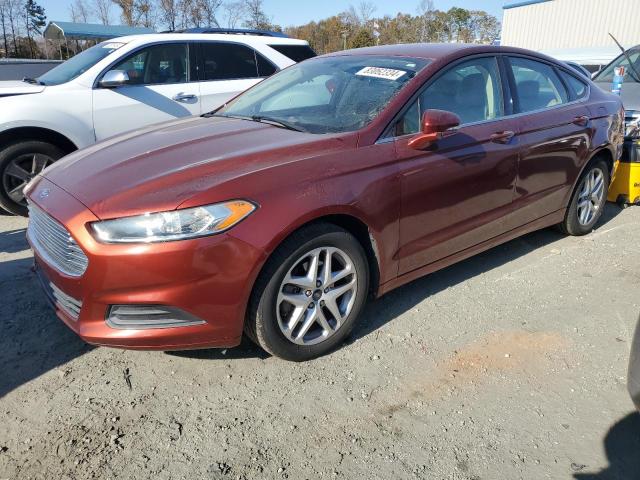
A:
{"points": [[544, 222]]}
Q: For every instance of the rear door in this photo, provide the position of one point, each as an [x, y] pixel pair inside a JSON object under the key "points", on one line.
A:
{"points": [[555, 128], [227, 69], [162, 86], [457, 193]]}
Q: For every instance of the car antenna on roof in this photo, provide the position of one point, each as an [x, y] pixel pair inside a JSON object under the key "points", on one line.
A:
{"points": [[636, 76]]}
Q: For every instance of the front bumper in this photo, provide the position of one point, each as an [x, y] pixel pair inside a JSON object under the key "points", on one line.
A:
{"points": [[209, 278], [634, 369]]}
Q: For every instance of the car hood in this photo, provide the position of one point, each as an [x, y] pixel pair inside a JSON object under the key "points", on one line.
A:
{"points": [[17, 87], [158, 168], [630, 94]]}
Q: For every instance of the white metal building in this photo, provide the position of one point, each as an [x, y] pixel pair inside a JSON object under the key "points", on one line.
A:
{"points": [[570, 24]]}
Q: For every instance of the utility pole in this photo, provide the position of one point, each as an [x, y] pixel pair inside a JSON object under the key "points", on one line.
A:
{"points": [[344, 35]]}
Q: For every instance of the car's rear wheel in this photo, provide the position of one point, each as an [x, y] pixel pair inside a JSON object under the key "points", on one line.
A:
{"points": [[19, 163], [588, 200], [309, 294]]}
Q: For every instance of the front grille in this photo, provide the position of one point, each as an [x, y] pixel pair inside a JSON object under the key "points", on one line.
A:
{"points": [[55, 244], [65, 302]]}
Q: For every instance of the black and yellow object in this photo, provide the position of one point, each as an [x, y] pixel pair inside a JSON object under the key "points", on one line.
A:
{"points": [[625, 185]]}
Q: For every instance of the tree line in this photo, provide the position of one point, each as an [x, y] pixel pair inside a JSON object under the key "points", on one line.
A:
{"points": [[22, 22]]}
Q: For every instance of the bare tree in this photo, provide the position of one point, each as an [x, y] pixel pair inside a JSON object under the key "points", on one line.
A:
{"points": [[366, 11], [102, 10], [169, 13], [255, 16], [79, 11], [208, 11], [137, 12], [234, 13], [3, 25], [13, 7], [426, 11]]}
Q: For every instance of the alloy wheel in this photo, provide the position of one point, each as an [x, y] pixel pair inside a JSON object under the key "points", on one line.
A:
{"points": [[316, 296], [20, 171], [591, 196]]}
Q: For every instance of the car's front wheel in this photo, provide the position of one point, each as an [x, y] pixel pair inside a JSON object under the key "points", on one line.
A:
{"points": [[19, 163], [309, 294], [588, 200]]}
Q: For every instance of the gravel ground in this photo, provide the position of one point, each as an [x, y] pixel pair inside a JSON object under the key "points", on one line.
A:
{"points": [[509, 365]]}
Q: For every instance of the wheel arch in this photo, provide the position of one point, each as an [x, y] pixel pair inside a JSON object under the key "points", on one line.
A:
{"points": [[602, 153], [37, 133]]}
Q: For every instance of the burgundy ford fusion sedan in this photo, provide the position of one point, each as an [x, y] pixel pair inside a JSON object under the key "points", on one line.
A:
{"points": [[339, 178]]}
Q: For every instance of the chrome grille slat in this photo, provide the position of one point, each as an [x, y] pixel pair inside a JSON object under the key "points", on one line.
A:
{"points": [[55, 244], [65, 302]]}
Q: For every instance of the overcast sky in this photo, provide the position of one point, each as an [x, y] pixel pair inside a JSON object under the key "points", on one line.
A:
{"points": [[296, 12]]}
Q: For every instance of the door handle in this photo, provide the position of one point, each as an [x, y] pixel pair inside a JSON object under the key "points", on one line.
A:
{"points": [[582, 120], [184, 97], [502, 137]]}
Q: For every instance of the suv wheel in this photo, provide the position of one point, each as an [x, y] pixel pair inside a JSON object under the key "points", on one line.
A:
{"points": [[309, 294], [19, 163], [588, 201]]}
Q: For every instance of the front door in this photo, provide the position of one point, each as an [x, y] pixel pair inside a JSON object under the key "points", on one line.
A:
{"points": [[162, 86], [458, 193]]}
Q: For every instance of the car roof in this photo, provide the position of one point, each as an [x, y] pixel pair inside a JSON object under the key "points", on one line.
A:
{"points": [[246, 39], [437, 51]]}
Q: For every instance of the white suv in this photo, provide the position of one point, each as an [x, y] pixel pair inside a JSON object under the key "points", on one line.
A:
{"points": [[124, 84]]}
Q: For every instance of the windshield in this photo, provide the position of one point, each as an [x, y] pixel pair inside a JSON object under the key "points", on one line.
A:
{"points": [[606, 75], [79, 64], [327, 95]]}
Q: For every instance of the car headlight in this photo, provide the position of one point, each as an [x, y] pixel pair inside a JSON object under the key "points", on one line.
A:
{"points": [[173, 225]]}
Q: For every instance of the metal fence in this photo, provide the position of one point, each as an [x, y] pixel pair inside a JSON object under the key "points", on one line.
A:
{"points": [[17, 69]]}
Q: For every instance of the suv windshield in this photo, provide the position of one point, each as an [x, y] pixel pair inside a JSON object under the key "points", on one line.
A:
{"points": [[606, 75], [79, 64], [327, 95]]}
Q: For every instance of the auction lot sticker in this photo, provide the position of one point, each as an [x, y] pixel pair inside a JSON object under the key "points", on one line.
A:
{"points": [[379, 72]]}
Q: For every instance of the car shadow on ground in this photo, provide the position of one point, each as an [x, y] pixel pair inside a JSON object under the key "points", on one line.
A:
{"points": [[622, 447], [13, 241], [33, 340], [398, 301]]}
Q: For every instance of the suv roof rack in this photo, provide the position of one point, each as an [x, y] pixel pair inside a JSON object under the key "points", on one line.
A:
{"points": [[233, 31]]}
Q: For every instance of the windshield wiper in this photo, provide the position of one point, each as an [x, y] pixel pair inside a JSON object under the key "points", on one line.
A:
{"points": [[278, 123], [32, 81]]}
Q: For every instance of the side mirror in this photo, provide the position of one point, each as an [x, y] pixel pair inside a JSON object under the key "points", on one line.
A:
{"points": [[436, 124], [114, 78]]}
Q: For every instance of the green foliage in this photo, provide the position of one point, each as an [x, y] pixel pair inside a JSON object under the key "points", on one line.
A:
{"points": [[363, 38]]}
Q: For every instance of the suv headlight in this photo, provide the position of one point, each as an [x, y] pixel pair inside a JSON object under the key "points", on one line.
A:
{"points": [[173, 225]]}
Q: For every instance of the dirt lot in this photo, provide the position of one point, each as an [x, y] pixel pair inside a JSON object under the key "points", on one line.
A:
{"points": [[509, 365]]}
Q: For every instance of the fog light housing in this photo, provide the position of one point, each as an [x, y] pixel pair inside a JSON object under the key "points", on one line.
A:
{"points": [[143, 317]]}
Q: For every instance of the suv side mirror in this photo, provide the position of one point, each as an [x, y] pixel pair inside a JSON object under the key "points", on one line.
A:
{"points": [[114, 78], [436, 124]]}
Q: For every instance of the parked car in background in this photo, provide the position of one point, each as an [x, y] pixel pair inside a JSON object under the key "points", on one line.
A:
{"points": [[123, 84], [634, 368], [341, 177], [579, 68]]}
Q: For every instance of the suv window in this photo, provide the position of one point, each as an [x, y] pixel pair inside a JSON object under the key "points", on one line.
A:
{"points": [[606, 75], [158, 64], [231, 61], [471, 89], [578, 87], [537, 85], [297, 53]]}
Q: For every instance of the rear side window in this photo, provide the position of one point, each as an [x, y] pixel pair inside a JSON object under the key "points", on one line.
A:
{"points": [[229, 61], [537, 85], [577, 87], [297, 53], [265, 67]]}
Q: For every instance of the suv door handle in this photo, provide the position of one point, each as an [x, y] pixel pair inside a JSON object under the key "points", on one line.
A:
{"points": [[582, 120], [502, 137], [184, 97]]}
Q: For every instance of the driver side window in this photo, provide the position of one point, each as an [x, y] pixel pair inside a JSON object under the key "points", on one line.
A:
{"points": [[471, 89], [156, 65]]}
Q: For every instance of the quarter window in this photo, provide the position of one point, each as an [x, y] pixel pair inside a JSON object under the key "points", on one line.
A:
{"points": [[577, 87], [537, 85], [158, 64], [230, 61]]}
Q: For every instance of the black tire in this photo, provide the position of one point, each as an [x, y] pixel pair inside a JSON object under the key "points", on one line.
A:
{"points": [[261, 324], [572, 224], [20, 151]]}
